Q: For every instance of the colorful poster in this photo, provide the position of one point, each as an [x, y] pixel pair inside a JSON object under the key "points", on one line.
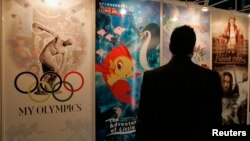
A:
{"points": [[127, 44], [230, 59], [47, 93], [174, 16]]}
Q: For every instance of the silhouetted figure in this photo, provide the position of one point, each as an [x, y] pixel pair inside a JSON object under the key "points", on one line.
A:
{"points": [[193, 104]]}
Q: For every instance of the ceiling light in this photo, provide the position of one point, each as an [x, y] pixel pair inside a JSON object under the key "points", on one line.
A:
{"points": [[204, 9]]}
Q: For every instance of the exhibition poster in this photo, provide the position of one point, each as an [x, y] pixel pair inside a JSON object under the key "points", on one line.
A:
{"points": [[47, 54], [177, 15], [127, 44], [230, 59]]}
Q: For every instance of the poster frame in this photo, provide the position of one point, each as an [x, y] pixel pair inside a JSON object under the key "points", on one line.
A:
{"points": [[91, 46], [1, 66]]}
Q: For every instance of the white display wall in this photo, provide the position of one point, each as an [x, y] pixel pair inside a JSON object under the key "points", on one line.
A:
{"points": [[27, 116]]}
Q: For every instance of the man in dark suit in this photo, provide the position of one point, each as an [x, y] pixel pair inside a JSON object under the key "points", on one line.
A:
{"points": [[180, 99]]}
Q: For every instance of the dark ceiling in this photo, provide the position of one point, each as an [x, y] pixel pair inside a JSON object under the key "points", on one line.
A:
{"points": [[242, 6]]}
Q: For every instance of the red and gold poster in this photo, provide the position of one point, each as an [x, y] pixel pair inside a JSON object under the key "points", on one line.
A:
{"points": [[230, 59], [47, 53]]}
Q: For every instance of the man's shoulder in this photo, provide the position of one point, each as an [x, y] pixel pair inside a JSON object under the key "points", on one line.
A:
{"points": [[206, 70], [154, 71], [154, 74]]}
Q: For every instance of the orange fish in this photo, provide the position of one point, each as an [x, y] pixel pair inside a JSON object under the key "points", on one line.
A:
{"points": [[117, 66]]}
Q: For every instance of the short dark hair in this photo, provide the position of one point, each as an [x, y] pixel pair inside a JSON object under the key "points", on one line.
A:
{"points": [[182, 40]]}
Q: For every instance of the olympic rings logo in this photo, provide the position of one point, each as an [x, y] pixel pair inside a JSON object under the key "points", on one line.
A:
{"points": [[47, 85]]}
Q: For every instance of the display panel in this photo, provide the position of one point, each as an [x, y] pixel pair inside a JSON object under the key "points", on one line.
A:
{"points": [[48, 83], [127, 44], [176, 15], [1, 80], [230, 58]]}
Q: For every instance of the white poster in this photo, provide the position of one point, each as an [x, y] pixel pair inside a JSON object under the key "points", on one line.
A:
{"points": [[230, 58], [175, 16], [47, 75]]}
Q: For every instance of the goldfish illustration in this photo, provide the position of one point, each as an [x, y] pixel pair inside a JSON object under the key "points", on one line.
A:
{"points": [[117, 66]]}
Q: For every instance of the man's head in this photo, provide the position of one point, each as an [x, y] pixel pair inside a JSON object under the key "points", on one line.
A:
{"points": [[227, 82], [182, 40], [234, 108]]}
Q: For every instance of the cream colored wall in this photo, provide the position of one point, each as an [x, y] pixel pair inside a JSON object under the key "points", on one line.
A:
{"points": [[93, 41]]}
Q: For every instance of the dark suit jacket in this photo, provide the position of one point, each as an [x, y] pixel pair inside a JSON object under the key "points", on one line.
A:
{"points": [[180, 100]]}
